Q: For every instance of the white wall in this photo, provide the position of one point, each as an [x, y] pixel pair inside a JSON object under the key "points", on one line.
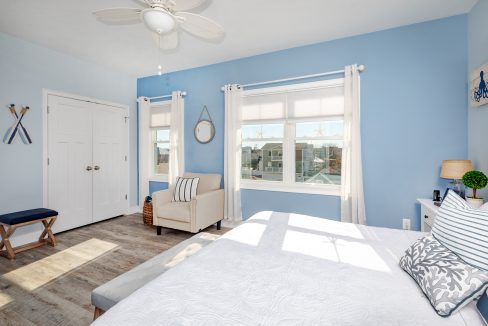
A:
{"points": [[25, 69]]}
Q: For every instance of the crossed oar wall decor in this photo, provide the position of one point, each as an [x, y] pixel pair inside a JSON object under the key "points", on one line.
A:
{"points": [[17, 127]]}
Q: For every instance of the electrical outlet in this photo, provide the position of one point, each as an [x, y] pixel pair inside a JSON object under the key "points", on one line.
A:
{"points": [[406, 224]]}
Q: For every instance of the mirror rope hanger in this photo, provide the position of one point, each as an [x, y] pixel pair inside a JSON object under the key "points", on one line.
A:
{"points": [[205, 109]]}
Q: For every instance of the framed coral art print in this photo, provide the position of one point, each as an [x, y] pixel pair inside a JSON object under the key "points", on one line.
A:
{"points": [[478, 89]]}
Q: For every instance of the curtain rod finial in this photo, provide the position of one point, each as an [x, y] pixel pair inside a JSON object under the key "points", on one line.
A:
{"points": [[361, 68]]}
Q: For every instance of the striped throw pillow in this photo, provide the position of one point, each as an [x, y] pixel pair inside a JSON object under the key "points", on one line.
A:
{"points": [[186, 189], [463, 230]]}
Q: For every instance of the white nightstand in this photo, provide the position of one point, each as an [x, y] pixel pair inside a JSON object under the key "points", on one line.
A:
{"points": [[428, 211]]}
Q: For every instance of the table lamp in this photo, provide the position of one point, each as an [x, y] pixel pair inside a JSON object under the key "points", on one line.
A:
{"points": [[454, 170]]}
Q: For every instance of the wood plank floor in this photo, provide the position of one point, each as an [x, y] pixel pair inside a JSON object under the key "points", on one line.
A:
{"points": [[65, 300]]}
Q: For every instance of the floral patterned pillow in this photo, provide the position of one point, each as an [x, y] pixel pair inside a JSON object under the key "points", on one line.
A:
{"points": [[446, 280]]}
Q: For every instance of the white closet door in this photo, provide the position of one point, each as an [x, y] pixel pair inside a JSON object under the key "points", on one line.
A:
{"points": [[109, 162], [70, 160]]}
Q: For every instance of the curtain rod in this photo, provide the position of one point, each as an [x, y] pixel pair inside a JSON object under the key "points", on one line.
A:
{"points": [[360, 68], [165, 96]]}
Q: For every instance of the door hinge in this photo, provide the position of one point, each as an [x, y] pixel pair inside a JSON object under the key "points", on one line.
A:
{"points": [[48, 109], [126, 118], [125, 196], [126, 158], [48, 161]]}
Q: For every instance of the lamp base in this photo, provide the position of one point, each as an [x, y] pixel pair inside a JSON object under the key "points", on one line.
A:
{"points": [[458, 187]]}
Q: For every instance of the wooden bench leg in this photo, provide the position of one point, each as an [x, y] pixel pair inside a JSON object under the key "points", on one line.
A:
{"points": [[47, 230], [6, 241], [98, 312]]}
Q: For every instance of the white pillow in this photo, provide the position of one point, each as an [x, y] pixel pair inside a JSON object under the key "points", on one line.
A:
{"points": [[463, 230], [185, 189], [446, 280]]}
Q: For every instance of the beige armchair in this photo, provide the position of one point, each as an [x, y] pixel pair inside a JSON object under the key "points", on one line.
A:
{"points": [[206, 209]]}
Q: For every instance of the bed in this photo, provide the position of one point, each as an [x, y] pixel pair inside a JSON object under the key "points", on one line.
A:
{"points": [[289, 269]]}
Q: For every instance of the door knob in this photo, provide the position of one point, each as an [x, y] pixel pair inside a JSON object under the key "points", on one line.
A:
{"points": [[97, 168], [88, 168]]}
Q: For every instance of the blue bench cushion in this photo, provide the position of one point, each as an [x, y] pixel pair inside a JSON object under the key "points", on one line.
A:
{"points": [[27, 216]]}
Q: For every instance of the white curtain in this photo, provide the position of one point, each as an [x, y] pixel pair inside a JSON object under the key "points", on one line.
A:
{"points": [[144, 139], [177, 143], [352, 197], [232, 153]]}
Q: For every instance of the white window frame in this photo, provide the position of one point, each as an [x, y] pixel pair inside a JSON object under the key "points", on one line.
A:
{"points": [[288, 184], [153, 177]]}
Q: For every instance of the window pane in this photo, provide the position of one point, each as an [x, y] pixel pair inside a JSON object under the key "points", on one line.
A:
{"points": [[161, 158], [318, 162], [262, 131], [262, 161], [320, 129], [162, 135]]}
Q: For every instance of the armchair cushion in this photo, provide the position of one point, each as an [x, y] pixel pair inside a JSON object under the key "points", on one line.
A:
{"points": [[176, 211], [185, 189]]}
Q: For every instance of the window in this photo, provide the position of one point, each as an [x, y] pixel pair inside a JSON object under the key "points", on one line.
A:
{"points": [[292, 137], [161, 151], [262, 152], [160, 119], [318, 152]]}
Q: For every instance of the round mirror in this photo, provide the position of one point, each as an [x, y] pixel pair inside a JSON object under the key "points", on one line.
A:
{"points": [[204, 131]]}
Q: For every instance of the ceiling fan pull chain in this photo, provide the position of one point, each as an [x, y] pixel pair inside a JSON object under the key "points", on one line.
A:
{"points": [[160, 67]]}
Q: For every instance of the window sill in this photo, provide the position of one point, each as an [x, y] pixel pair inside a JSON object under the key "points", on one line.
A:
{"points": [[330, 190], [159, 178]]}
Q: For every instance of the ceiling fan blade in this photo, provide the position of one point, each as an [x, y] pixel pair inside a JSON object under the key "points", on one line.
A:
{"points": [[183, 5], [143, 2], [200, 26], [119, 15], [167, 41]]}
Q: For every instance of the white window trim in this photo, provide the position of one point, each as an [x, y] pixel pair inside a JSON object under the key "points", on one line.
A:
{"points": [[315, 189], [288, 184]]}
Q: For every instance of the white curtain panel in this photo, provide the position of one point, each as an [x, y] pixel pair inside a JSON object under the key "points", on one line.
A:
{"points": [[232, 153], [352, 197], [144, 139], [177, 143]]}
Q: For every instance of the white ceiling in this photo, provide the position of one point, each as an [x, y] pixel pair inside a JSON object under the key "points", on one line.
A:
{"points": [[252, 27]]}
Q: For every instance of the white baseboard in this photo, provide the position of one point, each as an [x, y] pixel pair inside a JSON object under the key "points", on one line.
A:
{"points": [[134, 210]]}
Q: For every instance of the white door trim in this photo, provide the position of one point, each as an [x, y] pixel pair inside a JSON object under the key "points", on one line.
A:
{"points": [[45, 95]]}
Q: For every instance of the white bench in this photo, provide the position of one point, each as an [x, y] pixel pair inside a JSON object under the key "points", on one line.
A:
{"points": [[109, 294]]}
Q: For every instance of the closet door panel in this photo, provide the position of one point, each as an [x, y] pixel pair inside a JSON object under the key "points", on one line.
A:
{"points": [[70, 157], [109, 161]]}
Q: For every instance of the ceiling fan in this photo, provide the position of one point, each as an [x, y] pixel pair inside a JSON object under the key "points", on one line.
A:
{"points": [[164, 18]]}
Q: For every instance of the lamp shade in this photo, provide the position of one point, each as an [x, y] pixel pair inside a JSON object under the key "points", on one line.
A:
{"points": [[455, 169]]}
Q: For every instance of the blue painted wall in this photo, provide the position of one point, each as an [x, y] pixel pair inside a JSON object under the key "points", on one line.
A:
{"points": [[155, 186], [413, 101], [478, 117], [25, 69]]}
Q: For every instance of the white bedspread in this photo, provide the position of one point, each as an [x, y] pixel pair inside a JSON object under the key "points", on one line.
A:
{"points": [[289, 269]]}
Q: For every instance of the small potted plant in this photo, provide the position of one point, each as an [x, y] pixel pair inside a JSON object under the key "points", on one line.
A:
{"points": [[475, 180]]}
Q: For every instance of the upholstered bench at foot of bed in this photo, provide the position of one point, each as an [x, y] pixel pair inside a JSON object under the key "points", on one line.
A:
{"points": [[10, 222], [107, 295]]}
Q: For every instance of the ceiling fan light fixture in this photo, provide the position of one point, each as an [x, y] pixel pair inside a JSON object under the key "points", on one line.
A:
{"points": [[158, 20]]}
